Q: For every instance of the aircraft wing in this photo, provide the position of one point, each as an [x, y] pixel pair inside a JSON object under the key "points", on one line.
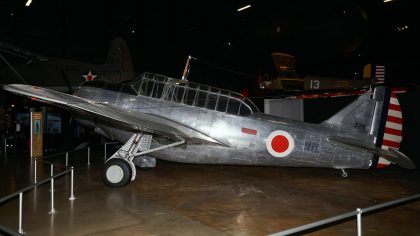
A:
{"points": [[391, 155], [18, 51], [130, 120]]}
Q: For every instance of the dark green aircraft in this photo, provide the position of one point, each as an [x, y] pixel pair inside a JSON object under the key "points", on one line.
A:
{"points": [[18, 65]]}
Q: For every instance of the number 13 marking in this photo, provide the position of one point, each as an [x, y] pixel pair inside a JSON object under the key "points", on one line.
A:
{"points": [[315, 84]]}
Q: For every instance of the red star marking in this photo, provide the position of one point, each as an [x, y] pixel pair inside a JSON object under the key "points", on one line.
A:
{"points": [[89, 76]]}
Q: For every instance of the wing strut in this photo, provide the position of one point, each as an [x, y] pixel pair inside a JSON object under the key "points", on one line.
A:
{"points": [[138, 145]]}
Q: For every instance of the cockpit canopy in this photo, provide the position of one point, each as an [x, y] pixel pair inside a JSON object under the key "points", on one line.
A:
{"points": [[184, 92]]}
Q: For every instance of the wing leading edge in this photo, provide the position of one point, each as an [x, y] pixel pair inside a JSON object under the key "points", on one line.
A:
{"points": [[132, 120], [391, 155]]}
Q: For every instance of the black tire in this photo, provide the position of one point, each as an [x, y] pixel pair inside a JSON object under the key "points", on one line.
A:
{"points": [[116, 173]]}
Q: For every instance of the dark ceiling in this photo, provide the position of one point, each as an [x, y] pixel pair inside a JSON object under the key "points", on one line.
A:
{"points": [[328, 37]]}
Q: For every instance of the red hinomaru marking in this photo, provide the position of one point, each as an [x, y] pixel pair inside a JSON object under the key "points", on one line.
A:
{"points": [[280, 143], [249, 131]]}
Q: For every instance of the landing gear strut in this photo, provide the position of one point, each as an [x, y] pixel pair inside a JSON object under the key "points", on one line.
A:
{"points": [[344, 174], [119, 170]]}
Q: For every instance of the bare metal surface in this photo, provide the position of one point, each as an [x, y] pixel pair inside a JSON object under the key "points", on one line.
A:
{"points": [[182, 199], [213, 136]]}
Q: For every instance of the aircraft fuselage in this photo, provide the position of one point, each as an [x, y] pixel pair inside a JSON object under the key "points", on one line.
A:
{"points": [[247, 138]]}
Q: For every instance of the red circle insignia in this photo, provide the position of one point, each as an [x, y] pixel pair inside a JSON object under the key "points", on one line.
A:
{"points": [[280, 143]]}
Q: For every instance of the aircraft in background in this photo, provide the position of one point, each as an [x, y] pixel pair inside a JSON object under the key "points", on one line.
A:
{"points": [[288, 80], [62, 74], [175, 120]]}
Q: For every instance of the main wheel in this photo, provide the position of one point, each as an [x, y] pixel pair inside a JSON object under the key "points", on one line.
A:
{"points": [[116, 173]]}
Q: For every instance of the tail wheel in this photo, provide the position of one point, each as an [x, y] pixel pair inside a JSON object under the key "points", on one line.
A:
{"points": [[116, 173], [343, 173]]}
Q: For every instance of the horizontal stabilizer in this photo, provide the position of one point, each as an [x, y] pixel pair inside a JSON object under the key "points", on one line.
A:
{"points": [[391, 155]]}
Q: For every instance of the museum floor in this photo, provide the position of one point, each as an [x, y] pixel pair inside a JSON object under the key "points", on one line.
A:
{"points": [[180, 199]]}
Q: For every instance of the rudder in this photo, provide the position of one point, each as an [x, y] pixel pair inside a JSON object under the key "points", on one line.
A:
{"points": [[391, 126]]}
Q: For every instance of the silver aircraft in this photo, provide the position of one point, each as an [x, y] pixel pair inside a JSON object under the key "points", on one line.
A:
{"points": [[176, 120]]}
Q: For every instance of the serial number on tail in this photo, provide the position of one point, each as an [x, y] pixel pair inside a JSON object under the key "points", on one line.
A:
{"points": [[359, 125]]}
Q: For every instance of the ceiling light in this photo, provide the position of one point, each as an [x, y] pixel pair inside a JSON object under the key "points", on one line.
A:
{"points": [[28, 3], [387, 1], [243, 8]]}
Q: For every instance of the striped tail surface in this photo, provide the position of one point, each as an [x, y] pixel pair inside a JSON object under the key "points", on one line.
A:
{"points": [[393, 127]]}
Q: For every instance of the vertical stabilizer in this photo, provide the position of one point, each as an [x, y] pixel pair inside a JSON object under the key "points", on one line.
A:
{"points": [[119, 54], [358, 117]]}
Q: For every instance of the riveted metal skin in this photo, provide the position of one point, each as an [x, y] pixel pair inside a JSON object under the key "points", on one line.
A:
{"points": [[194, 123]]}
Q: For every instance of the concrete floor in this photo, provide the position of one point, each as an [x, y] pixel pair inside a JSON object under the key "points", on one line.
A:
{"points": [[180, 199]]}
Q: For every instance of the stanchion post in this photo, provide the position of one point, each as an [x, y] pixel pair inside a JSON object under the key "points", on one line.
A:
{"points": [[5, 146], [35, 171], [105, 153], [71, 185], [88, 156], [20, 213], [359, 222], [52, 197], [52, 190], [67, 159]]}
